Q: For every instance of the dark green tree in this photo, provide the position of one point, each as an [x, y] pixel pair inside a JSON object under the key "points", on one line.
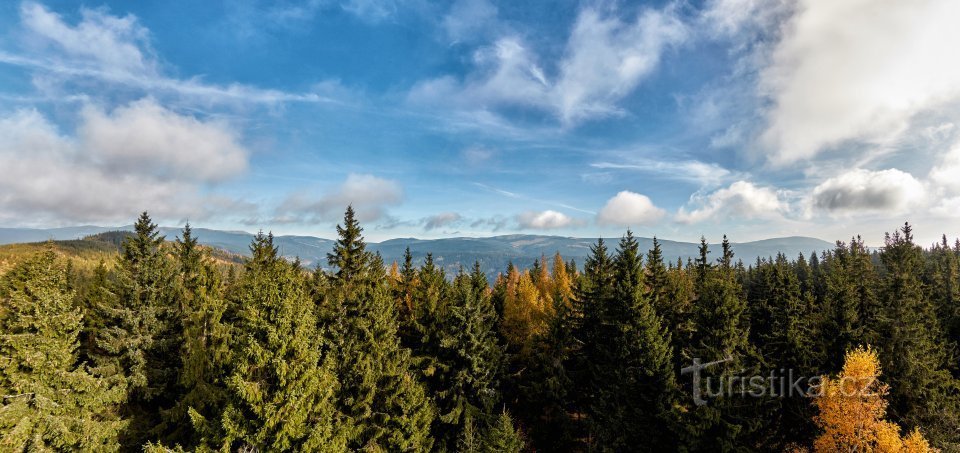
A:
{"points": [[466, 385], [914, 351], [634, 387], [143, 332], [385, 405]]}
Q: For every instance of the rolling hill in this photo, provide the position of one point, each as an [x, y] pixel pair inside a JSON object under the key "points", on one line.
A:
{"points": [[494, 253]]}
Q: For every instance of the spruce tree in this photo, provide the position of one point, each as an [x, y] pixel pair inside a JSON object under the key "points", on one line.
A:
{"points": [[385, 405], [280, 384], [632, 369], [722, 332], [914, 353], [50, 402], [205, 349], [144, 329], [466, 383], [502, 436]]}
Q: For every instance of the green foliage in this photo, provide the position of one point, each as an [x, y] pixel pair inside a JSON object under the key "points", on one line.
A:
{"points": [[280, 383], [384, 405], [167, 347], [143, 331], [50, 401], [915, 354], [465, 384]]}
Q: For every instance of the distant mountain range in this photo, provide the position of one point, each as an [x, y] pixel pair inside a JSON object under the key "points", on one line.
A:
{"points": [[494, 253]]}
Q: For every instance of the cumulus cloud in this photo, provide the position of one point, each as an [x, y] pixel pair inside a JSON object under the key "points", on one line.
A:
{"points": [[888, 191], [369, 195], [858, 71], [55, 178], [441, 220], [146, 136], [605, 59], [629, 209], [545, 220], [946, 173], [741, 200]]}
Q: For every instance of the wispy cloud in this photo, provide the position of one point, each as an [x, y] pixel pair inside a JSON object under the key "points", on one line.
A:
{"points": [[518, 196], [693, 171], [116, 50], [605, 59]]}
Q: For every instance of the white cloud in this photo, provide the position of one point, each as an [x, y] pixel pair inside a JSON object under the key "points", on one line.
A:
{"points": [[116, 43], [54, 178], [369, 195], [545, 220], [731, 18], [145, 136], [441, 220], [693, 171], [741, 200], [116, 50], [605, 59], [476, 155], [629, 209], [946, 174], [858, 70], [888, 191]]}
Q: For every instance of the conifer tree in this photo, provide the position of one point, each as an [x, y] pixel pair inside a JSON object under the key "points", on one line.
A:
{"points": [[595, 287], [632, 370], [50, 401], [349, 257], [144, 328], [502, 436], [914, 352], [205, 348], [385, 405], [722, 332], [466, 384], [280, 381]]}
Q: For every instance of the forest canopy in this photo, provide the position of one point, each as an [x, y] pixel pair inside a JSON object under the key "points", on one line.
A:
{"points": [[163, 347]]}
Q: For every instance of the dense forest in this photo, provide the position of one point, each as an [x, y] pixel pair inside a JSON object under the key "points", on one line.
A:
{"points": [[164, 348]]}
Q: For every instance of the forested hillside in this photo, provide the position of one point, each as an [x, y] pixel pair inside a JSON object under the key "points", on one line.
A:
{"points": [[494, 253], [166, 346]]}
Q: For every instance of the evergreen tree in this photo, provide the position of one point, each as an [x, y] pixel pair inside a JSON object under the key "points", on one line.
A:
{"points": [[466, 383], [349, 256], [722, 332], [144, 332], [502, 436], [385, 405], [205, 349], [50, 402], [632, 372], [914, 353], [280, 380], [595, 287]]}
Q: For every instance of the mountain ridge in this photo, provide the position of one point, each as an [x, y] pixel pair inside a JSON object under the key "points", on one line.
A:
{"points": [[493, 252]]}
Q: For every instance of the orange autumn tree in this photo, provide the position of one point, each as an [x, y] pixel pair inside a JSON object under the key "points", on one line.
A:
{"points": [[852, 408]]}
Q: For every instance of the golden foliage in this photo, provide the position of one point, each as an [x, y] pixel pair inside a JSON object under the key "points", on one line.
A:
{"points": [[852, 409]]}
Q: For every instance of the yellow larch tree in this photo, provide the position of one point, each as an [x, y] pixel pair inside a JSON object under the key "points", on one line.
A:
{"points": [[852, 407]]}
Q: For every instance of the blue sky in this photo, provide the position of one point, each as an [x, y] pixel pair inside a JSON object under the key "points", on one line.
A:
{"points": [[752, 118]]}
